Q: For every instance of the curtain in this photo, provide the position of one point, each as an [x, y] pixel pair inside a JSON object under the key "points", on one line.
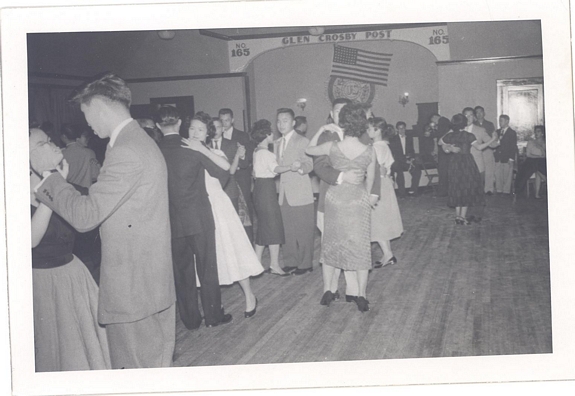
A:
{"points": [[49, 103]]}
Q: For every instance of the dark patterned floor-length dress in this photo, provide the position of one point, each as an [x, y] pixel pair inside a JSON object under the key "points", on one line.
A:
{"points": [[465, 187], [346, 238]]}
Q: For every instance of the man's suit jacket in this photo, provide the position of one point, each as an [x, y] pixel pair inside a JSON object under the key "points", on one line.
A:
{"points": [[242, 138], [230, 149], [400, 159], [294, 186], [130, 201], [488, 126], [190, 209], [507, 148]]}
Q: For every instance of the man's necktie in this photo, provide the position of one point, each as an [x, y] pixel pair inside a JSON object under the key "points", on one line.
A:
{"points": [[282, 147]]}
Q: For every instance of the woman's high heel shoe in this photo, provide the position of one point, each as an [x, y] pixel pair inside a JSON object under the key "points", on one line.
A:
{"points": [[252, 312], [362, 304], [327, 298]]}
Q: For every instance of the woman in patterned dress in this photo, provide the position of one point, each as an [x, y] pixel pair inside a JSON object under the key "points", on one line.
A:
{"points": [[346, 240]]}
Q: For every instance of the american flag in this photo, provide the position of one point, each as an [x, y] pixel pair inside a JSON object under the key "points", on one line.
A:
{"points": [[359, 65]]}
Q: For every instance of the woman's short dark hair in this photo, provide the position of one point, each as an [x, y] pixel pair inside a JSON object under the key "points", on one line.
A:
{"points": [[206, 119], [541, 128], [353, 120], [72, 132], [378, 123], [388, 132], [458, 122], [261, 130], [167, 116]]}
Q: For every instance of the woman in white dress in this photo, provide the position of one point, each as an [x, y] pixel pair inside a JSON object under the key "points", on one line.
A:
{"points": [[386, 221], [237, 260], [67, 335]]}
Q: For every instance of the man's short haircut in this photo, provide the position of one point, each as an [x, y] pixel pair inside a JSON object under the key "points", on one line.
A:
{"points": [[167, 115], [467, 109], [340, 101], [479, 108], [72, 132], [400, 123], [225, 111], [286, 110], [109, 86], [504, 116]]}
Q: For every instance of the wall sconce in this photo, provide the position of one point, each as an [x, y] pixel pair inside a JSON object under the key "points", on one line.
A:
{"points": [[166, 34], [301, 103], [316, 30], [404, 99]]}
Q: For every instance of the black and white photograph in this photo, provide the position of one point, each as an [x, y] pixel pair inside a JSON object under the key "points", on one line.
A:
{"points": [[288, 195]]}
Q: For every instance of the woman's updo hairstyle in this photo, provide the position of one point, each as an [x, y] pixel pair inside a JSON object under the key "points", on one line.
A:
{"points": [[458, 122], [260, 130], [353, 119]]}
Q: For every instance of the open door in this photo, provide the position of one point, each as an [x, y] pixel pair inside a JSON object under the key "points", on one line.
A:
{"points": [[522, 101]]}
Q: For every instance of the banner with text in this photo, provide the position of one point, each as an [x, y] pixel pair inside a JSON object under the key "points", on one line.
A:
{"points": [[435, 39]]}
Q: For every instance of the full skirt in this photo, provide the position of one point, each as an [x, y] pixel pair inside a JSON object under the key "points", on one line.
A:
{"points": [[465, 184], [67, 335], [237, 259], [270, 227], [386, 223]]}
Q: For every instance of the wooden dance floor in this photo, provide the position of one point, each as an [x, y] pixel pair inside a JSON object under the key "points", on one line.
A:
{"points": [[456, 291]]}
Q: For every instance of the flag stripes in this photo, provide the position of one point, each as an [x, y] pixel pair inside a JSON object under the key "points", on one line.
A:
{"points": [[364, 66]]}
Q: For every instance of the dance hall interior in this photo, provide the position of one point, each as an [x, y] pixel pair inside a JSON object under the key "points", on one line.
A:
{"points": [[451, 283]]}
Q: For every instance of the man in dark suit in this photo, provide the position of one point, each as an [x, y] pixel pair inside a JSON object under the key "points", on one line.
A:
{"points": [[130, 202], [243, 174], [441, 126], [403, 152], [192, 222], [505, 155]]}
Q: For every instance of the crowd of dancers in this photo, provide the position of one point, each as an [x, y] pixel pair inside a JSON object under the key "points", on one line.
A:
{"points": [[184, 205]]}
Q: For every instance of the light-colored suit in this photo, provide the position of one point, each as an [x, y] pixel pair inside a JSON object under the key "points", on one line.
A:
{"points": [[296, 203], [482, 137], [295, 187], [130, 202]]}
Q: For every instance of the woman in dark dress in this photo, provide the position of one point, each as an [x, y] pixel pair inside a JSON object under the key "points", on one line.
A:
{"points": [[67, 335], [464, 180]]}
